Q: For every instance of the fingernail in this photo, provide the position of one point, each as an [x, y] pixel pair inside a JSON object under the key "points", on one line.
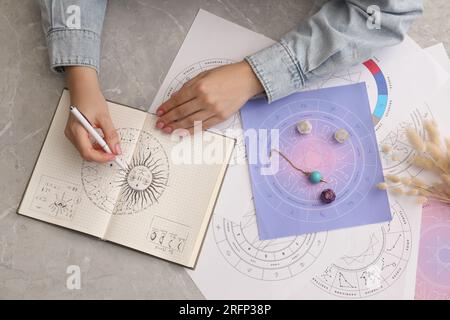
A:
{"points": [[118, 149], [159, 124], [159, 113], [183, 133], [167, 129]]}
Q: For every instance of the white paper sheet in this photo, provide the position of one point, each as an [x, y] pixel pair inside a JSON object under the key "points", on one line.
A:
{"points": [[410, 74], [375, 261], [211, 42], [398, 162], [439, 54], [235, 264]]}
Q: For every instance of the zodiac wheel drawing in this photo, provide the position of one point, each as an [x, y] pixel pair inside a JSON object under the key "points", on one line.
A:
{"points": [[348, 168], [398, 161], [268, 260], [136, 188], [377, 83], [192, 71], [377, 259]]}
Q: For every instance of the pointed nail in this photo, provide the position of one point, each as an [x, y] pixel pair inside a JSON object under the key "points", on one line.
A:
{"points": [[183, 133], [159, 124], [118, 149], [180, 133], [167, 129]]}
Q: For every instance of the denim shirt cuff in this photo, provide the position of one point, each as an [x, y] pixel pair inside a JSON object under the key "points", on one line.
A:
{"points": [[278, 71], [73, 47]]}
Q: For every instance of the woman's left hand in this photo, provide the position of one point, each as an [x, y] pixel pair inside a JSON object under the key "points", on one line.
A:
{"points": [[211, 97]]}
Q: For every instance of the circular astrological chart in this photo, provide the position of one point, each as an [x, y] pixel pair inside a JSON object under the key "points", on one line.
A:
{"points": [[136, 188], [348, 168], [378, 86], [434, 255], [398, 160], [267, 260], [375, 261], [233, 122]]}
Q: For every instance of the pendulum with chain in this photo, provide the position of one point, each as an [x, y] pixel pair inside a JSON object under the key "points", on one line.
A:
{"points": [[313, 176]]}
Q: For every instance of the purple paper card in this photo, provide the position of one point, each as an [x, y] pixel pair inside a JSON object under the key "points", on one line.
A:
{"points": [[286, 202]]}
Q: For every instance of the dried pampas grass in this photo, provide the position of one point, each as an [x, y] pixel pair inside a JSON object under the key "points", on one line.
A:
{"points": [[415, 140], [433, 155]]}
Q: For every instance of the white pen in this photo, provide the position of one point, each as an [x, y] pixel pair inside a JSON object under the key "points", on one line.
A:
{"points": [[98, 138]]}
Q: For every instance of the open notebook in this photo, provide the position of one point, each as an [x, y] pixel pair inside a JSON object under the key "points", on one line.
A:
{"points": [[160, 204]]}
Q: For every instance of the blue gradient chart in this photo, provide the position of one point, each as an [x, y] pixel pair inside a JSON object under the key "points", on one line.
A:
{"points": [[377, 83], [382, 88]]}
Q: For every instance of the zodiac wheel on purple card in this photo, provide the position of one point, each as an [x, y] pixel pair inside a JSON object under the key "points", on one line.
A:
{"points": [[348, 168], [376, 260], [434, 252], [136, 188], [268, 260], [398, 161]]}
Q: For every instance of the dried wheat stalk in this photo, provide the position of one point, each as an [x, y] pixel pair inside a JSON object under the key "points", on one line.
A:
{"points": [[433, 156]]}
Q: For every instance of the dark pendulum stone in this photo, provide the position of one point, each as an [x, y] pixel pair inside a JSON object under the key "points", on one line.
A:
{"points": [[327, 196]]}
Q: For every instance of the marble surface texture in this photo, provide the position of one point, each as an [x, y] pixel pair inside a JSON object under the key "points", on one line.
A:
{"points": [[34, 255]]}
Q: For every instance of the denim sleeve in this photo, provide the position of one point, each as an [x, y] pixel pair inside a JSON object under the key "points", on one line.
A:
{"points": [[336, 37], [73, 32]]}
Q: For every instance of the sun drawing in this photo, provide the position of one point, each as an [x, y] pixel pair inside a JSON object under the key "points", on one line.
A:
{"points": [[143, 181]]}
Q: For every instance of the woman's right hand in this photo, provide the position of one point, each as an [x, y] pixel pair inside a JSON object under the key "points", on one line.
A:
{"points": [[86, 95]]}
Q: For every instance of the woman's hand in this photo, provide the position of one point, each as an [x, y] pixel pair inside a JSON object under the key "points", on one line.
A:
{"points": [[211, 97], [86, 95]]}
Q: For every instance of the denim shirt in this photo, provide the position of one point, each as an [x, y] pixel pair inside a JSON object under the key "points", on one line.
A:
{"points": [[339, 34]]}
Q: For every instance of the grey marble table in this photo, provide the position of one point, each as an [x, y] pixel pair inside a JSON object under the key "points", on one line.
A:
{"points": [[34, 256]]}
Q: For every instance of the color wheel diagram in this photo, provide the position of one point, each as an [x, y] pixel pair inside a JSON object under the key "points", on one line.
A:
{"points": [[382, 89], [377, 84]]}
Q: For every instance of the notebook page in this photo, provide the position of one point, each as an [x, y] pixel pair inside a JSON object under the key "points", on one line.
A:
{"points": [[66, 190], [168, 204]]}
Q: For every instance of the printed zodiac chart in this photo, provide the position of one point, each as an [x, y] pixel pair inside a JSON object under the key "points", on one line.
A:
{"points": [[136, 188], [233, 124], [286, 200], [378, 85], [398, 160], [190, 72], [236, 264], [376, 260], [266, 260], [56, 197]]}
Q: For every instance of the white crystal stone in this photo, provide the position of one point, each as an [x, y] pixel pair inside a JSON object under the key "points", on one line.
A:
{"points": [[341, 135], [304, 127]]}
